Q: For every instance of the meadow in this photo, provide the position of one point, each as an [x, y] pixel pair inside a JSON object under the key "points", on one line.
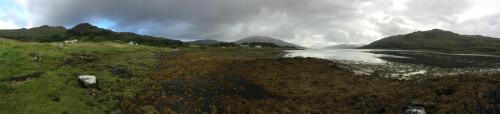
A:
{"points": [[50, 85]]}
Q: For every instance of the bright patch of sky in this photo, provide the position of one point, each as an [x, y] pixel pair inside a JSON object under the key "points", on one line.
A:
{"points": [[103, 23], [8, 10]]}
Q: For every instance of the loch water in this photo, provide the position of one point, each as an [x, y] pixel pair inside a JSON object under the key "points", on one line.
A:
{"points": [[443, 60]]}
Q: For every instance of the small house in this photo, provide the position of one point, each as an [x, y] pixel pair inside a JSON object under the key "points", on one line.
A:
{"points": [[71, 41], [133, 43], [244, 45]]}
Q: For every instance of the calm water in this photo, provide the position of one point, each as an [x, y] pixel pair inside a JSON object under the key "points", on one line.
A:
{"points": [[342, 54], [414, 57]]}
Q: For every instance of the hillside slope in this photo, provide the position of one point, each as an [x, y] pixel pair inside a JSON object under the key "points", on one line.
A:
{"points": [[205, 42], [84, 32], [343, 46], [266, 39], [50, 85], [438, 40]]}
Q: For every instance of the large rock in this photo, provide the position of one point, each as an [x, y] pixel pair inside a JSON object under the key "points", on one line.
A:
{"points": [[365, 72], [415, 107], [88, 81], [416, 110]]}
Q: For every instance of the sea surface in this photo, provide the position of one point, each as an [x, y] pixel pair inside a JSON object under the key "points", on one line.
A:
{"points": [[444, 60]]}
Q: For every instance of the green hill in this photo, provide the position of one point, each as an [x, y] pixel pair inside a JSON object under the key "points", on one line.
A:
{"points": [[438, 40], [266, 39], [206, 42], [85, 32], [41, 34]]}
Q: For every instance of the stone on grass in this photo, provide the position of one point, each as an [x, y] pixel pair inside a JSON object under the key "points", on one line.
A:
{"points": [[88, 81], [35, 56]]}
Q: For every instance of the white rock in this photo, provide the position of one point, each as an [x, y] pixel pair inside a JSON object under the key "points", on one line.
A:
{"points": [[363, 72], [415, 111], [416, 73], [88, 80]]}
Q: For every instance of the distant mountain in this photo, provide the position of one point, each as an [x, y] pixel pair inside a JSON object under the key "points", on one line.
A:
{"points": [[88, 29], [344, 46], [438, 40], [43, 33], [265, 39], [84, 32], [205, 42]]}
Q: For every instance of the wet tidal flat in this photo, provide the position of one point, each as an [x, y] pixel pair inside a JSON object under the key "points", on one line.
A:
{"points": [[197, 81]]}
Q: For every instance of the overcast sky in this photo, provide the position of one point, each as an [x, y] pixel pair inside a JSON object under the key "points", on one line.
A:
{"points": [[310, 23]]}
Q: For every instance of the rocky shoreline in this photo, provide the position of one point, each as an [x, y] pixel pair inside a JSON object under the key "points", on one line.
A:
{"points": [[405, 71]]}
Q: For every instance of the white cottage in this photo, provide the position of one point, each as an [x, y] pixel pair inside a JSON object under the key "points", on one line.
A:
{"points": [[244, 45], [71, 41], [133, 43]]}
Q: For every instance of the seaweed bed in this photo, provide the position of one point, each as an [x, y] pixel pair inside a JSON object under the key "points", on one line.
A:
{"points": [[208, 81]]}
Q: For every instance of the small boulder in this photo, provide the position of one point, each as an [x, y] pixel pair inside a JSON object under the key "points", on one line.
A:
{"points": [[88, 81], [415, 107], [416, 110], [365, 72], [35, 56], [80, 59]]}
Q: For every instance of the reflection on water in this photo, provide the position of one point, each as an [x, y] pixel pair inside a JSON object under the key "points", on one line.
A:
{"points": [[444, 60], [343, 54]]}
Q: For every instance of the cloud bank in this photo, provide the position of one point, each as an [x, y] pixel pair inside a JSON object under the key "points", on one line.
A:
{"points": [[311, 23]]}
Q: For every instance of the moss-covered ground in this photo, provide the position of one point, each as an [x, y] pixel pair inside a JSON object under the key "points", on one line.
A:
{"points": [[50, 85]]}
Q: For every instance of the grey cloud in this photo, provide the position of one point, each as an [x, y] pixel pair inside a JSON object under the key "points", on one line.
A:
{"points": [[338, 21], [489, 26], [430, 11]]}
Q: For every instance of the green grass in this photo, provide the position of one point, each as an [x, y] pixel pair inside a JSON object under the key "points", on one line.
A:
{"points": [[143, 79], [57, 89]]}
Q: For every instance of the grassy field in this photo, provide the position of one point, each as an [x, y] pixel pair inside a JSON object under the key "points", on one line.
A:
{"points": [[50, 85], [143, 79]]}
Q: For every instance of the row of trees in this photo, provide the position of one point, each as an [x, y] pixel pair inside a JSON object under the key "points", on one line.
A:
{"points": [[249, 44]]}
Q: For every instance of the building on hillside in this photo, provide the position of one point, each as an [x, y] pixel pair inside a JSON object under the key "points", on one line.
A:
{"points": [[133, 43], [71, 41], [258, 46], [244, 45]]}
